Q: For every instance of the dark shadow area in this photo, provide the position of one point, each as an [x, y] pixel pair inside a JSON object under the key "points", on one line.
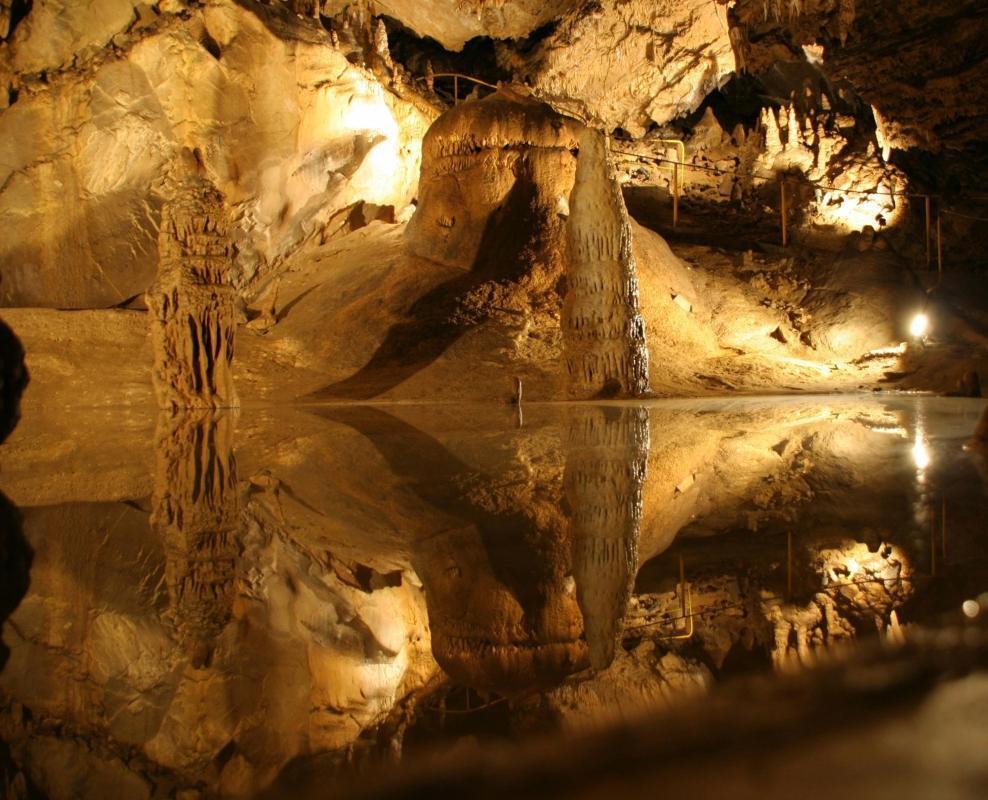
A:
{"points": [[15, 553], [511, 541], [440, 317], [478, 58]]}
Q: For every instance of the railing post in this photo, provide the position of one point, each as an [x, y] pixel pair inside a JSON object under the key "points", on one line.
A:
{"points": [[929, 249], [456, 89], [675, 194], [939, 246], [782, 208]]}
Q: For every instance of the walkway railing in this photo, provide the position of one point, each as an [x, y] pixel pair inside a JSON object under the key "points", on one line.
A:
{"points": [[457, 77], [679, 167]]}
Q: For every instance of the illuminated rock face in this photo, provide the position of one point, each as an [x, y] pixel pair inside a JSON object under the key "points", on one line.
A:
{"points": [[291, 133], [525, 200], [631, 62], [191, 305], [454, 22]]}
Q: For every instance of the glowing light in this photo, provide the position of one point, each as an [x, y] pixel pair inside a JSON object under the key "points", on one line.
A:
{"points": [[853, 567], [369, 118], [853, 212], [919, 326], [894, 430], [920, 454], [369, 113], [971, 608]]}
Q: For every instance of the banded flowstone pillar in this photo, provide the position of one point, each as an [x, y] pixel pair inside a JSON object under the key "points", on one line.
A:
{"points": [[526, 202], [196, 512], [603, 331], [191, 304], [606, 463]]}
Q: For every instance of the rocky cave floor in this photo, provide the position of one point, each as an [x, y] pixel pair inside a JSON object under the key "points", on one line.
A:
{"points": [[493, 397]]}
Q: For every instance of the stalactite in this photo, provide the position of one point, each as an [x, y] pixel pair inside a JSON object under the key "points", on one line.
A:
{"points": [[191, 303]]}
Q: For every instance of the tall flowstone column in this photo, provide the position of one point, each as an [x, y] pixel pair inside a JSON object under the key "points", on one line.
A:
{"points": [[603, 330], [191, 303], [527, 203]]}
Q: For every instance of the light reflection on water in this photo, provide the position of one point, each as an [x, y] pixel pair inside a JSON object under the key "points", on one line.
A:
{"points": [[218, 594]]}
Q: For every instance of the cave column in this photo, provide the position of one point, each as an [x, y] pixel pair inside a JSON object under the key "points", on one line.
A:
{"points": [[192, 302], [603, 331]]}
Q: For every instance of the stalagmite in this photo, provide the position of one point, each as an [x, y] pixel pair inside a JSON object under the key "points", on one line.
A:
{"points": [[603, 332], [522, 196], [381, 44], [773, 141], [792, 130], [191, 303]]}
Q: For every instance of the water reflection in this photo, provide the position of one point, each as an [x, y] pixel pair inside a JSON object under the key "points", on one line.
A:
{"points": [[247, 592], [196, 514], [530, 580]]}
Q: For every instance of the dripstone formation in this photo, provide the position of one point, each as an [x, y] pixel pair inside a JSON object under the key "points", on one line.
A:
{"points": [[603, 481], [196, 513], [603, 332], [526, 200], [191, 303]]}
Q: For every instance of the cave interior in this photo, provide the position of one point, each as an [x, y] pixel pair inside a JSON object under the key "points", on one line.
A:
{"points": [[555, 398]]}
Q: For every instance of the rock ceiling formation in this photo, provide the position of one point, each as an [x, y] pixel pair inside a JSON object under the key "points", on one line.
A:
{"points": [[300, 287]]}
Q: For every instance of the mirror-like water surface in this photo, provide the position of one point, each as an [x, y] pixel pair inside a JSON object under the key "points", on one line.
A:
{"points": [[217, 598]]}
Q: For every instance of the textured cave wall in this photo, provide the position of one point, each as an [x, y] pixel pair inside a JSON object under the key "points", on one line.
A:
{"points": [[453, 22], [290, 132], [633, 64], [921, 64]]}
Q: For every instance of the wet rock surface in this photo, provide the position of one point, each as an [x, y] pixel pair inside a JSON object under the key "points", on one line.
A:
{"points": [[300, 595]]}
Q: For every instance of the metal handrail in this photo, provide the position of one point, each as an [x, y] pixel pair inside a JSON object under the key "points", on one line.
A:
{"points": [[456, 82]]}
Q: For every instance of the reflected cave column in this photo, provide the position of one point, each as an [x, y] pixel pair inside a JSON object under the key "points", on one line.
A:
{"points": [[196, 512], [191, 303], [603, 482], [603, 331]]}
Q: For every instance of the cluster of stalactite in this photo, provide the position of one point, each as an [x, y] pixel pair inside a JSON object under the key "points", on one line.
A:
{"points": [[192, 302], [605, 473], [196, 512], [603, 331]]}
